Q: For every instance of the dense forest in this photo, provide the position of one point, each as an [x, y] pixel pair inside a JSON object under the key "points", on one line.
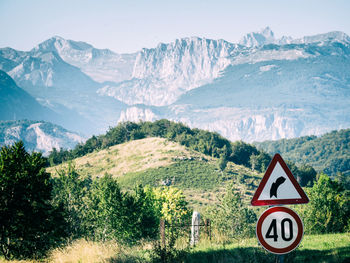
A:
{"points": [[329, 153], [209, 143]]}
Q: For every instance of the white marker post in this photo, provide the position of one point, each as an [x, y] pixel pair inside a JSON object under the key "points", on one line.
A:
{"points": [[195, 228]]}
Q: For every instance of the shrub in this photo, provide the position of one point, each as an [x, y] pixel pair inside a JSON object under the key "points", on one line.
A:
{"points": [[231, 217], [328, 209]]}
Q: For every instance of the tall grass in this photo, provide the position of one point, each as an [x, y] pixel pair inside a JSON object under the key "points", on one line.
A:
{"points": [[85, 251]]}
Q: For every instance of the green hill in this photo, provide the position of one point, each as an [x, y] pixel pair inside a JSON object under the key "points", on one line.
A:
{"points": [[165, 152], [329, 153], [158, 161]]}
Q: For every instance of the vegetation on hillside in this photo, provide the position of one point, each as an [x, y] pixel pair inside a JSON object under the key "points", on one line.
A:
{"points": [[208, 143], [329, 153], [205, 142]]}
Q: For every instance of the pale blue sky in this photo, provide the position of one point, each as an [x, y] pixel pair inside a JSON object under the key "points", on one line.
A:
{"points": [[127, 26]]}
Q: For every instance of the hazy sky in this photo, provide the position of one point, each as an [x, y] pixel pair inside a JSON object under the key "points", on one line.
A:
{"points": [[127, 26]]}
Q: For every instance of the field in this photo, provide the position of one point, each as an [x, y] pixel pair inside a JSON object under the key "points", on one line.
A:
{"points": [[313, 249]]}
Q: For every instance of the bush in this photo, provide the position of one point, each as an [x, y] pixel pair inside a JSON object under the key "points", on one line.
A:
{"points": [[231, 217], [29, 225], [328, 209]]}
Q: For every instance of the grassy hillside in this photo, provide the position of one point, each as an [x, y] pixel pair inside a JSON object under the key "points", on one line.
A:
{"points": [[329, 153], [133, 156], [158, 161]]}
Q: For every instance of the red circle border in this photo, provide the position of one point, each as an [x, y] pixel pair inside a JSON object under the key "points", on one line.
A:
{"points": [[292, 246]]}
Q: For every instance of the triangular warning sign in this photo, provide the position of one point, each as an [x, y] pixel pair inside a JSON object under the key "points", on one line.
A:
{"points": [[278, 186]]}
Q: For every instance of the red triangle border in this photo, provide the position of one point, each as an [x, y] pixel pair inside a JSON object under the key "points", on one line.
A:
{"points": [[278, 158]]}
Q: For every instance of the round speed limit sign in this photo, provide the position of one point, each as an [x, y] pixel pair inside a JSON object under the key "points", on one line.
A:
{"points": [[279, 230]]}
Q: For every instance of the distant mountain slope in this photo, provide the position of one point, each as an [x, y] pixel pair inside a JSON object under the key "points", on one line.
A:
{"points": [[164, 73], [37, 136], [260, 89], [15, 103], [329, 153]]}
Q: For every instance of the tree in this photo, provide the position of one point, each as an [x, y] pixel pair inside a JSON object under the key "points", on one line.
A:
{"points": [[28, 221], [70, 191], [113, 214], [231, 217], [222, 163], [241, 153], [172, 205], [306, 175], [328, 209]]}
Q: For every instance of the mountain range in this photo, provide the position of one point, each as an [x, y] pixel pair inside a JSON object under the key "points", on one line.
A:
{"points": [[262, 88]]}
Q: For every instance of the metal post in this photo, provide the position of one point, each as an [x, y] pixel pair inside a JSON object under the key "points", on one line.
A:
{"points": [[162, 232], [280, 259], [207, 228]]}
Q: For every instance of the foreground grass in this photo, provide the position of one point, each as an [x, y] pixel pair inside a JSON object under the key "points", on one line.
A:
{"points": [[313, 248]]}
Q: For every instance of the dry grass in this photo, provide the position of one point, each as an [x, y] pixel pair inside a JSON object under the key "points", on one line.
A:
{"points": [[133, 156], [85, 252]]}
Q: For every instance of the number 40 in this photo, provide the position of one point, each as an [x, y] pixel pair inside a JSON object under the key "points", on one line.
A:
{"points": [[272, 231]]}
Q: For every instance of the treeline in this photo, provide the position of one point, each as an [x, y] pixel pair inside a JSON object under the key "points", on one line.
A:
{"points": [[205, 142], [209, 143], [329, 153]]}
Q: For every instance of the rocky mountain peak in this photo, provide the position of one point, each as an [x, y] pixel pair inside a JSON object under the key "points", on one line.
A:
{"points": [[260, 38], [58, 44]]}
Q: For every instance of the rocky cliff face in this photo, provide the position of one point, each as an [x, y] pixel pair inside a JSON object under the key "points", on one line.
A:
{"points": [[270, 92], [160, 75]]}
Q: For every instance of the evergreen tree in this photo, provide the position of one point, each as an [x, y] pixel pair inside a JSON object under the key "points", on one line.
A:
{"points": [[222, 163], [28, 222]]}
